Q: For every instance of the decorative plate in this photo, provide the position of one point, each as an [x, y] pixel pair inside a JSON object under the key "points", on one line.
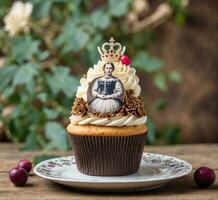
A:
{"points": [[155, 171]]}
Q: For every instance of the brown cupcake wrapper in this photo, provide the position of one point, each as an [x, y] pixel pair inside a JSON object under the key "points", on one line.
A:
{"points": [[108, 155]]}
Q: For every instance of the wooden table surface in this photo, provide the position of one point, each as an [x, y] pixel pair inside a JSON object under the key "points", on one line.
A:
{"points": [[183, 188]]}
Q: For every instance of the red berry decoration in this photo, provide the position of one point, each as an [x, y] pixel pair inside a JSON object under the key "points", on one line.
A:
{"points": [[18, 176], [204, 176], [25, 164], [125, 60]]}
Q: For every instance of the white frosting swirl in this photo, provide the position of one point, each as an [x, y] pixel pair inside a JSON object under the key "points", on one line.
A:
{"points": [[104, 121], [124, 72]]}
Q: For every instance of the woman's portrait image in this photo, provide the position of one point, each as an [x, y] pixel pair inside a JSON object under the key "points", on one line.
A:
{"points": [[106, 93]]}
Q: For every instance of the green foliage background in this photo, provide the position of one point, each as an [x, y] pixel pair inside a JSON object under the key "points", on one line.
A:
{"points": [[42, 68]]}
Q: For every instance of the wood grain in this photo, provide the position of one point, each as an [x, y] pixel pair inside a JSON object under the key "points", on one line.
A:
{"points": [[183, 188]]}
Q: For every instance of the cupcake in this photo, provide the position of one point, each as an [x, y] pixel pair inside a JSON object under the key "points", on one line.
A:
{"points": [[107, 126]]}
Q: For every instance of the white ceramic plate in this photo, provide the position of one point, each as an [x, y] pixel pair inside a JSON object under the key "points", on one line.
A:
{"points": [[155, 171]]}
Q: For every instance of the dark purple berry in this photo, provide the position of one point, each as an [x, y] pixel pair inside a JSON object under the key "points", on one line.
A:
{"points": [[18, 176], [25, 164], [204, 176]]}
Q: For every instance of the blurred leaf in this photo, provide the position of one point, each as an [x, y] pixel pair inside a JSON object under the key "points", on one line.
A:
{"points": [[3, 7], [171, 134], [92, 53], [57, 136], [31, 142], [62, 81], [7, 74], [72, 38], [175, 4], [4, 3], [140, 40], [118, 8], [160, 81], [144, 61], [151, 136], [25, 74], [8, 91], [100, 19], [42, 55], [160, 104], [175, 76], [42, 96], [23, 48], [50, 114], [41, 8], [179, 11], [38, 159], [180, 18]]}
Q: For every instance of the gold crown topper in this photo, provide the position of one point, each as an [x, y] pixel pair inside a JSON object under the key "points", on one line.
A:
{"points": [[111, 51]]}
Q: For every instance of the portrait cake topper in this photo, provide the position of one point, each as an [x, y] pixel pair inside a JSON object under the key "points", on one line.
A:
{"points": [[106, 93]]}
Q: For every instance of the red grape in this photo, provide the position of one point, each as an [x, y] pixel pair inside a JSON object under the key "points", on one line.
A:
{"points": [[25, 164], [18, 176], [204, 176]]}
